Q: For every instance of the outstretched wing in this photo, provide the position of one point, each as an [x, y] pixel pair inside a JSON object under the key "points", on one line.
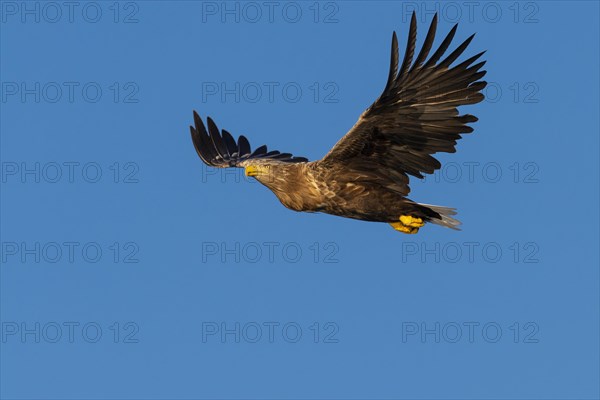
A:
{"points": [[415, 116], [222, 151]]}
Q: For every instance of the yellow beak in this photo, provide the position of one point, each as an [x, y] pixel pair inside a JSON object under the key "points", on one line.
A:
{"points": [[251, 170]]}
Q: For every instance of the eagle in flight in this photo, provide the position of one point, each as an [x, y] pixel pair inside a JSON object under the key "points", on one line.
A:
{"points": [[365, 175]]}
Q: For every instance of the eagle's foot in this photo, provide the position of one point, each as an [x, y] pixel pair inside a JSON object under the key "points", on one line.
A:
{"points": [[400, 227], [413, 222]]}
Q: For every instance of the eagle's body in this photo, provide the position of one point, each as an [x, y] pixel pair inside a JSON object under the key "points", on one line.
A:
{"points": [[314, 187], [365, 175]]}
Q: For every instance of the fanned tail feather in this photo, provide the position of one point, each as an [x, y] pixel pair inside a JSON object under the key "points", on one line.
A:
{"points": [[445, 213]]}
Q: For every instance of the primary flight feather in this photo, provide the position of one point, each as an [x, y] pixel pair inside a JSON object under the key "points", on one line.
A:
{"points": [[366, 174]]}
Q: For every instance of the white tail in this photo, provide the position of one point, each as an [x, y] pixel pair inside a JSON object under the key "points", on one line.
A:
{"points": [[445, 213]]}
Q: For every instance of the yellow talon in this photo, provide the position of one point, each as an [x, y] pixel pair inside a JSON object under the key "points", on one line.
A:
{"points": [[400, 227], [412, 222]]}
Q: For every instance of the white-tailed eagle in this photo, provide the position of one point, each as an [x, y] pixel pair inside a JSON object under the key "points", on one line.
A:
{"points": [[366, 174]]}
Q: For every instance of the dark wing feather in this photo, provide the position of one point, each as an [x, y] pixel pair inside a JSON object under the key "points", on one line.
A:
{"points": [[232, 147], [393, 64], [244, 147], [415, 117], [410, 46], [259, 151], [221, 150], [217, 140]]}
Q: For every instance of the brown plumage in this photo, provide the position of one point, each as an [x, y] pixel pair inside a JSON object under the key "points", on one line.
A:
{"points": [[366, 174]]}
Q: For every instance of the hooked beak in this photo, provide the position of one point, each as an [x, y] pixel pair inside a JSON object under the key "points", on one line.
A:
{"points": [[251, 171]]}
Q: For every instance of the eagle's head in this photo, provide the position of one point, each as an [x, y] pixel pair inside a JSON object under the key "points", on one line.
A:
{"points": [[258, 170], [274, 174], [288, 180]]}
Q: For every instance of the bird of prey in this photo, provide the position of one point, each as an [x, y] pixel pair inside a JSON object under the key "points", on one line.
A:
{"points": [[365, 175]]}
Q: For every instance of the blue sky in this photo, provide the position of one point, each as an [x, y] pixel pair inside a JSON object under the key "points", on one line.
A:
{"points": [[131, 270]]}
